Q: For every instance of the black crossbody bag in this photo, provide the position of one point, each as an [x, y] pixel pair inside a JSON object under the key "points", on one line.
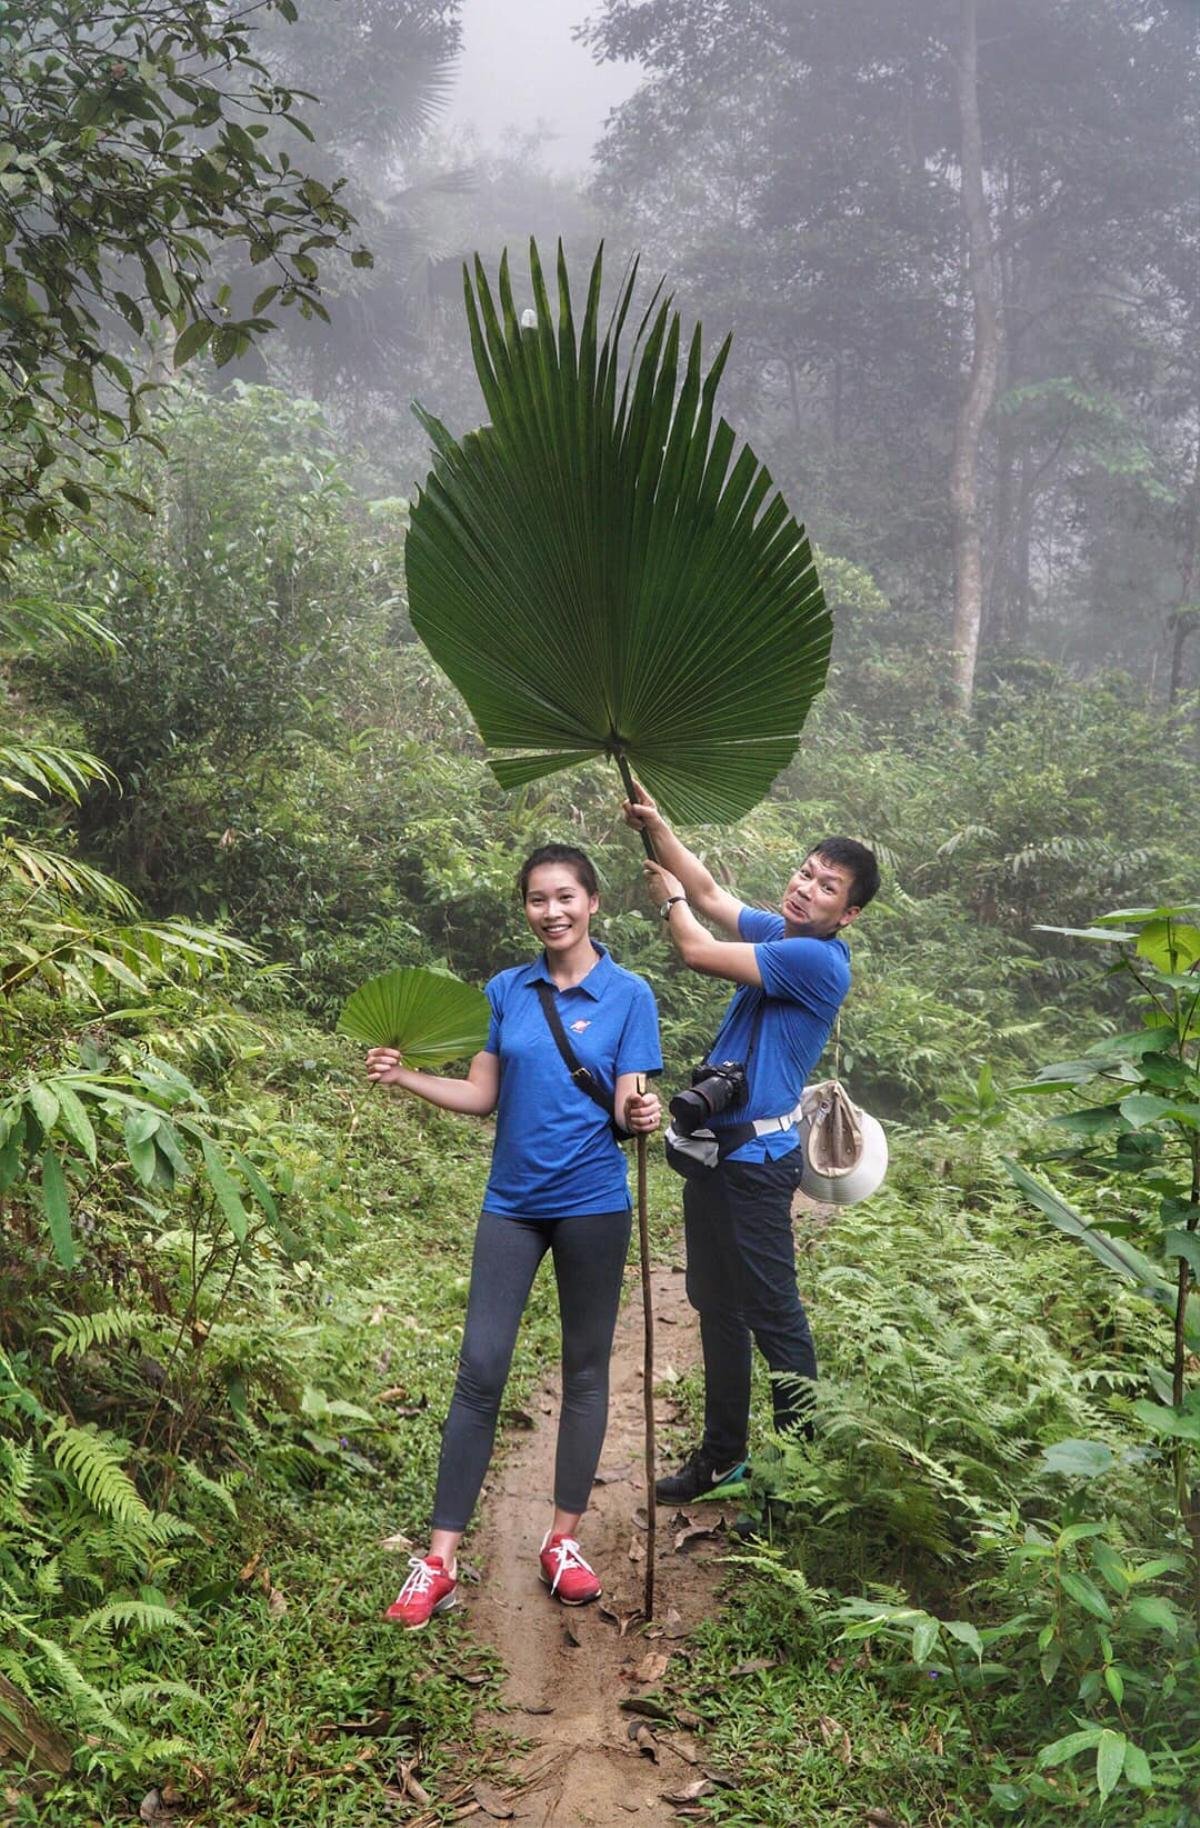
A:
{"points": [[581, 1075]]}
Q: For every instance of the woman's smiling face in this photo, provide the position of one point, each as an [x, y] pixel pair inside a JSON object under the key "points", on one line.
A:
{"points": [[558, 907]]}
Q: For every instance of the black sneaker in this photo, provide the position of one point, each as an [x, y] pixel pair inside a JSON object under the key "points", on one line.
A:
{"points": [[700, 1477]]}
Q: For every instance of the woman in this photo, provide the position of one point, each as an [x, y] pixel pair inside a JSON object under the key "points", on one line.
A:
{"points": [[558, 1183]]}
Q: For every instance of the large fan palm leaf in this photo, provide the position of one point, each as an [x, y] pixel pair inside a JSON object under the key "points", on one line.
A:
{"points": [[429, 1016], [599, 573]]}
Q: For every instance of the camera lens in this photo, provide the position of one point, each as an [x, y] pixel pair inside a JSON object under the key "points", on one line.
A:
{"points": [[689, 1111]]}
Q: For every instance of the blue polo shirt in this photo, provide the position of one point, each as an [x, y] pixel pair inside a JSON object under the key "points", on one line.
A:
{"points": [[803, 984], [554, 1154]]}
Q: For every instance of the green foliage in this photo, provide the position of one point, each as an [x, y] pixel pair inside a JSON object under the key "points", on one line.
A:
{"points": [[1143, 1139], [144, 139], [593, 574]]}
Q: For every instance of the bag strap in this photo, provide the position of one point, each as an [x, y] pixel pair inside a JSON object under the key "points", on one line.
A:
{"points": [[580, 1074], [756, 1022]]}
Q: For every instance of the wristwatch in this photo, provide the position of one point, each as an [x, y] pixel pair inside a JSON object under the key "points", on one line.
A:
{"points": [[664, 913]]}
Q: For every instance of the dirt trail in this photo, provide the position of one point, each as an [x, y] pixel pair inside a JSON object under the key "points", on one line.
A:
{"points": [[569, 1667]]}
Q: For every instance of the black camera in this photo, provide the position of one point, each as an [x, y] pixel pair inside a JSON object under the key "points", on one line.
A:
{"points": [[715, 1086]]}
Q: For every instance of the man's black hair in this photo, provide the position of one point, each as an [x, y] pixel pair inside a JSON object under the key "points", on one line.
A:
{"points": [[576, 860], [849, 854]]}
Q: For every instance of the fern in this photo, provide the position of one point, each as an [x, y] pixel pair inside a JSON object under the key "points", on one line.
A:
{"points": [[132, 1693], [47, 1580], [97, 1470], [17, 1459], [164, 1528], [212, 1488], [122, 1615], [69, 1676], [75, 1334]]}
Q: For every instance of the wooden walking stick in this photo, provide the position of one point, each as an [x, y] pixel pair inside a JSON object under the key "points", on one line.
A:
{"points": [[647, 1362], [631, 789]]}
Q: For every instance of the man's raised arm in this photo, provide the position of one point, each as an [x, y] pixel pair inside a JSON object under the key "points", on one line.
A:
{"points": [[704, 893]]}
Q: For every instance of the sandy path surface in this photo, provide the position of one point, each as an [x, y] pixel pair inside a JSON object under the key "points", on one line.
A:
{"points": [[569, 1668]]}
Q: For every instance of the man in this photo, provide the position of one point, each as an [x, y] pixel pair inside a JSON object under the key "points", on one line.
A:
{"points": [[793, 971]]}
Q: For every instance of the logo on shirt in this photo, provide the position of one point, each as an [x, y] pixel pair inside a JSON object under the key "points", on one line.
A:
{"points": [[577, 1028]]}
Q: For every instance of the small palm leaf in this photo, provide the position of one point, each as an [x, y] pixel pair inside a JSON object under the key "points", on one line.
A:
{"points": [[429, 1016], [598, 573]]}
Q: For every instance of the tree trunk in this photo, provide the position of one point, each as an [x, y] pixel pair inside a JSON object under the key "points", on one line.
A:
{"points": [[980, 388], [1181, 623]]}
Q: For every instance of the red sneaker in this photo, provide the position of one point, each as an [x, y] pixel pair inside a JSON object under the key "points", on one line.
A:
{"points": [[427, 1590], [566, 1573]]}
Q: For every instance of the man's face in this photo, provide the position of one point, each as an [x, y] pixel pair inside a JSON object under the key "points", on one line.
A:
{"points": [[817, 901]]}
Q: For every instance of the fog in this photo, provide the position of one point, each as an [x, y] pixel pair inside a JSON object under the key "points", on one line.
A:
{"points": [[955, 247], [520, 72]]}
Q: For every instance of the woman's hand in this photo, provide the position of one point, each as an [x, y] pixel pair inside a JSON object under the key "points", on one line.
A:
{"points": [[642, 1113], [384, 1066]]}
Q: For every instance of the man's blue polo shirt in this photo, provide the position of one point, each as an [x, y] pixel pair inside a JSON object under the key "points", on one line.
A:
{"points": [[554, 1155], [803, 984]]}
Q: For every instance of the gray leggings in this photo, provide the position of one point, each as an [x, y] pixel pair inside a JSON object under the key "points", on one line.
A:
{"points": [[589, 1257]]}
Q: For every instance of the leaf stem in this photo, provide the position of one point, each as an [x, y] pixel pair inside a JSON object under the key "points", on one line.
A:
{"points": [[631, 790]]}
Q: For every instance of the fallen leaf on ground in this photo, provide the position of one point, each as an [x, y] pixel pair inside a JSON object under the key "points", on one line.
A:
{"points": [[251, 1567], [467, 1571], [754, 1665], [491, 1801], [652, 1668], [374, 1726], [398, 1541], [411, 1788], [276, 1603], [673, 1626], [834, 1734], [703, 1786], [149, 1806], [469, 1677], [644, 1739], [621, 1619], [695, 1532], [613, 1477], [880, 1818], [571, 1635], [637, 1550], [536, 1707], [256, 1737], [644, 1704], [517, 1418], [641, 1518]]}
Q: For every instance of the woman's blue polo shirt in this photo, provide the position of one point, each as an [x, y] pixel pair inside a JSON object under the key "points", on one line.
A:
{"points": [[554, 1154]]}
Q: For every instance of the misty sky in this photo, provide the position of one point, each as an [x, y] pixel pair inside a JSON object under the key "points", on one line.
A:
{"points": [[520, 65]]}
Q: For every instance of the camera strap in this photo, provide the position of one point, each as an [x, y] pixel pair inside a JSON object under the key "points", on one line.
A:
{"points": [[581, 1075]]}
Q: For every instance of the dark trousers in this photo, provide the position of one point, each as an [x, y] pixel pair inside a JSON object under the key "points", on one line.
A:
{"points": [[589, 1254], [741, 1280]]}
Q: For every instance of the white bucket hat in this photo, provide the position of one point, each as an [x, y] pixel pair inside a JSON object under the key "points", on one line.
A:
{"points": [[845, 1149]]}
